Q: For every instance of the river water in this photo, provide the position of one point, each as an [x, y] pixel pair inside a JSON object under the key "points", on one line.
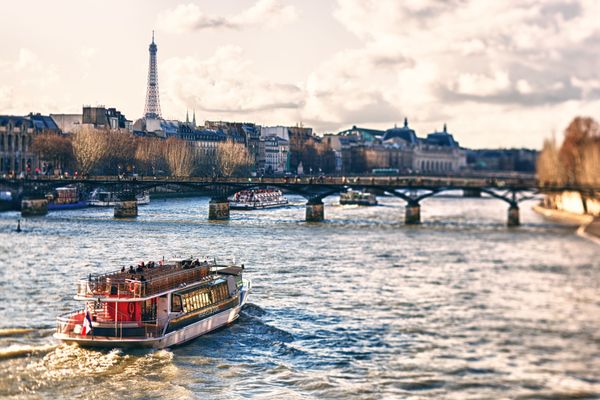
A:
{"points": [[360, 306]]}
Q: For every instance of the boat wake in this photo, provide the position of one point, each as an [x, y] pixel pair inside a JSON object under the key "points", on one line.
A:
{"points": [[25, 332], [22, 350]]}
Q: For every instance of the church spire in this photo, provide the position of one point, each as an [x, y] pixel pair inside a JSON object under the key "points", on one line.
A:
{"points": [[187, 116], [445, 130], [194, 120]]}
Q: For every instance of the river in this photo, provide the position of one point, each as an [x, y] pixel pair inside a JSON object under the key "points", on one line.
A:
{"points": [[360, 306]]}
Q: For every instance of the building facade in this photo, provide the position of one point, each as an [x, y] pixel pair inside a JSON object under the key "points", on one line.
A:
{"points": [[361, 150], [16, 138], [276, 154]]}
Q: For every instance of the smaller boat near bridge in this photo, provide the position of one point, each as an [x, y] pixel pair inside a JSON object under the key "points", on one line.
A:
{"points": [[66, 198], [353, 197], [254, 199], [104, 198]]}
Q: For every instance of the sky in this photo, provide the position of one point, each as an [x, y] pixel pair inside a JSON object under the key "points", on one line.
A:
{"points": [[499, 73]]}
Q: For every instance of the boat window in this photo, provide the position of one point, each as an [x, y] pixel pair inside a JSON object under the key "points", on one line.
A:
{"points": [[176, 303]]}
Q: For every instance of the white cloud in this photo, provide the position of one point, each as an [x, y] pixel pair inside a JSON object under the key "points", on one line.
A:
{"points": [[224, 85], [481, 85], [524, 87], [29, 83], [469, 63], [189, 17], [472, 56]]}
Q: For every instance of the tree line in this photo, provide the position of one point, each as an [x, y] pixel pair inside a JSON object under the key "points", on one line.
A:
{"points": [[91, 151], [576, 160]]}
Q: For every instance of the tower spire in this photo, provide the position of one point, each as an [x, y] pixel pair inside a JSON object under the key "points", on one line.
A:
{"points": [[152, 108], [187, 116], [194, 120]]}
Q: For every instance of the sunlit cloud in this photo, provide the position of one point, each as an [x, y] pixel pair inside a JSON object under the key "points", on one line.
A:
{"points": [[190, 17]]}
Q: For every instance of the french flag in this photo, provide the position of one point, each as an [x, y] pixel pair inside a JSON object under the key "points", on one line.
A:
{"points": [[86, 327]]}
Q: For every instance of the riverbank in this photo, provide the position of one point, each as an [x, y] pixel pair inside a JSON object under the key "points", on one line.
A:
{"points": [[589, 227]]}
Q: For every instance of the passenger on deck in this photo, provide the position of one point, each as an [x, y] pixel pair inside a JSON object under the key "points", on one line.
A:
{"points": [[131, 270], [196, 263], [143, 282], [123, 269]]}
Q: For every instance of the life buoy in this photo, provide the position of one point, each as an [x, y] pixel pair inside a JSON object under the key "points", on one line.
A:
{"points": [[131, 309]]}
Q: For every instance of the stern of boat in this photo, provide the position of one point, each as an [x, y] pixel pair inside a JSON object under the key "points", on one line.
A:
{"points": [[245, 291]]}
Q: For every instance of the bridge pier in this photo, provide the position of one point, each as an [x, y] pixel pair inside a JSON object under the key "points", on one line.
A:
{"points": [[315, 211], [218, 209], [412, 213], [126, 209], [34, 207], [513, 216]]}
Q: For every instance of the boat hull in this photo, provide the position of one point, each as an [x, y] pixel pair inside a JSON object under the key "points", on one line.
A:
{"points": [[358, 202], [68, 206], [141, 201], [257, 206], [171, 339]]}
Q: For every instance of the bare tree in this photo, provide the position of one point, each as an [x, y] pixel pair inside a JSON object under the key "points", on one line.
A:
{"points": [[233, 159], [89, 147], [580, 133], [149, 155], [54, 148], [180, 156], [578, 158], [590, 165], [120, 152], [549, 167]]}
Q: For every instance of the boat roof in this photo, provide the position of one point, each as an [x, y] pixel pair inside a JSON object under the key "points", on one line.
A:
{"points": [[150, 281]]}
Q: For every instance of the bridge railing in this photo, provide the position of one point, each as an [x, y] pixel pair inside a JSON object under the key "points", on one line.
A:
{"points": [[404, 181]]}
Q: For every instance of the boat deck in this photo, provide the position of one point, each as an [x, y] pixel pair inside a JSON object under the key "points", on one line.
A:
{"points": [[148, 281]]}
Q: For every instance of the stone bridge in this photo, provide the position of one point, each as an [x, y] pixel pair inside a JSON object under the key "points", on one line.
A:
{"points": [[412, 189]]}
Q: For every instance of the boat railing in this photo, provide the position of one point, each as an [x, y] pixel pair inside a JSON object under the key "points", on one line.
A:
{"points": [[71, 324], [123, 285]]}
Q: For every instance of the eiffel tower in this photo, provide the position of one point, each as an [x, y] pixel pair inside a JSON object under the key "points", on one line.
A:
{"points": [[152, 109]]}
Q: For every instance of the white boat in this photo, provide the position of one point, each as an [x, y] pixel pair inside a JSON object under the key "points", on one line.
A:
{"points": [[156, 306], [257, 198], [352, 197], [103, 198]]}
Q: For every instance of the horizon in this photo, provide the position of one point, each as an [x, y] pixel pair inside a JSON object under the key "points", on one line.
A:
{"points": [[528, 68]]}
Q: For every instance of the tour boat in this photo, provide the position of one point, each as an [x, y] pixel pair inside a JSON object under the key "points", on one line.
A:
{"points": [[156, 306], [103, 198], [66, 198], [257, 198], [358, 198]]}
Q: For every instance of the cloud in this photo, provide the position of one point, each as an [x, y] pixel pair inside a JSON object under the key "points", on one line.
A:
{"points": [[483, 67], [470, 56], [224, 85], [29, 83], [189, 17]]}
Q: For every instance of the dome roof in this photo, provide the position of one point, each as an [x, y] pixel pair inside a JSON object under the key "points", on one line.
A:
{"points": [[404, 133], [442, 138]]}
